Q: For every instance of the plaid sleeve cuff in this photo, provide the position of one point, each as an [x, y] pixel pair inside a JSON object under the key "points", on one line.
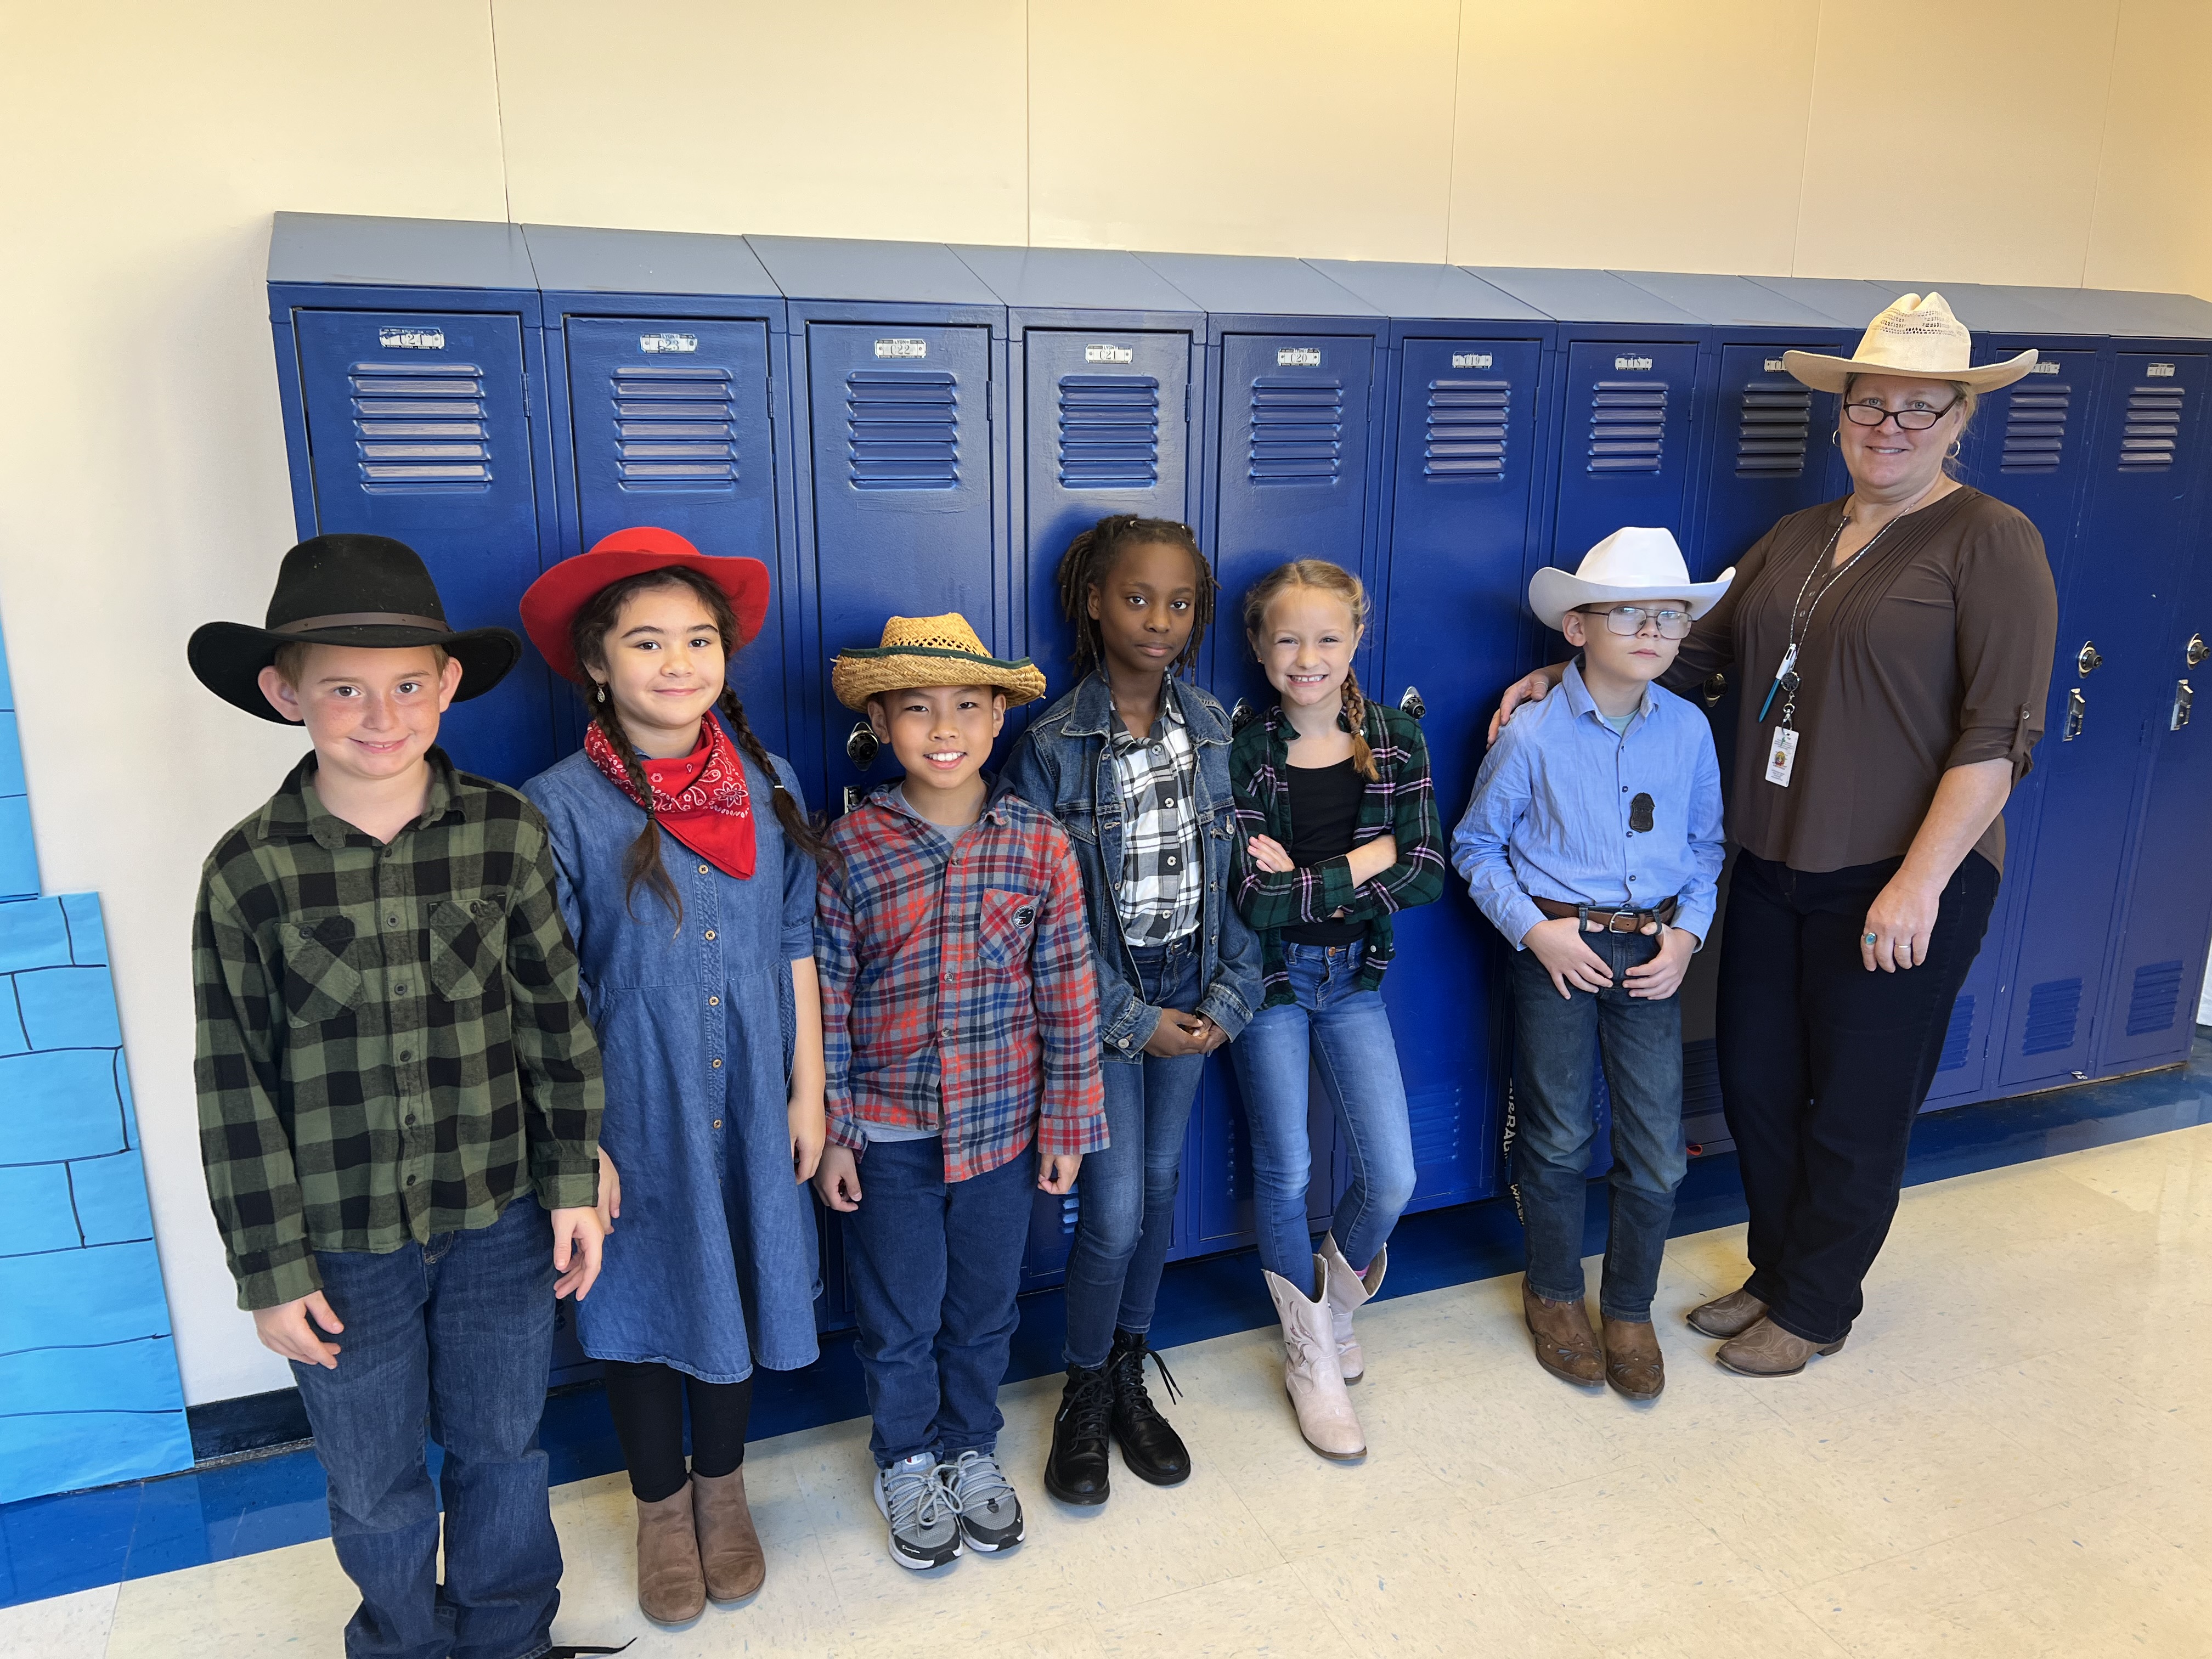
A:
{"points": [[270, 1278], [1063, 1136], [1338, 891], [843, 1132], [568, 1189]]}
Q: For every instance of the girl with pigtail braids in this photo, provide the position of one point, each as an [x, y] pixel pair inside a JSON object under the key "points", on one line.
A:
{"points": [[702, 989], [1337, 833]]}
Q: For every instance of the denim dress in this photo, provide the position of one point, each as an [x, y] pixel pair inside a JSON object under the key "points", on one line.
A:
{"points": [[712, 1267]]}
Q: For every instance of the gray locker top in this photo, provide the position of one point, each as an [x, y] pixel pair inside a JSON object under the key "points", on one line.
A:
{"points": [[352, 248], [2122, 313], [1260, 285], [571, 258], [1727, 301], [1991, 309], [1404, 289], [1852, 302], [848, 268], [1584, 296], [1073, 278]]}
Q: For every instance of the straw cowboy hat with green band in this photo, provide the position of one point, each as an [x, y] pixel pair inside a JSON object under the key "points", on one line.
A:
{"points": [[929, 651], [1916, 337]]}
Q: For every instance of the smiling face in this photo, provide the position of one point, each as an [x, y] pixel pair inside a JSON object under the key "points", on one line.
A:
{"points": [[942, 735], [1890, 464], [662, 662], [371, 714], [1305, 642], [1144, 608]]}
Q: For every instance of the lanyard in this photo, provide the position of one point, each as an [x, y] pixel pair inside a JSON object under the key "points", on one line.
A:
{"points": [[1801, 617]]}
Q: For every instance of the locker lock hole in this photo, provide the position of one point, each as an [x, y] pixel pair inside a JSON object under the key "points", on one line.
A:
{"points": [[2197, 650], [2089, 659], [861, 745]]}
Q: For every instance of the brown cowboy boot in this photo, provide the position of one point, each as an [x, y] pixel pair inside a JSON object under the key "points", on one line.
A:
{"points": [[1767, 1350], [1728, 1316], [671, 1587], [1564, 1346], [1634, 1363], [729, 1547]]}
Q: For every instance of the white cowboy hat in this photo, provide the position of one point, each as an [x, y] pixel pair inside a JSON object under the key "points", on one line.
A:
{"points": [[1627, 565], [1916, 337]]}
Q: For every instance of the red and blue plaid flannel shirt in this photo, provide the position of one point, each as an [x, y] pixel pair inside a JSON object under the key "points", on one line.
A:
{"points": [[957, 990]]}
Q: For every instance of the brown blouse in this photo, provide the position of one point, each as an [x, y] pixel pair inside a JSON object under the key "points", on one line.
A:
{"points": [[1932, 650]]}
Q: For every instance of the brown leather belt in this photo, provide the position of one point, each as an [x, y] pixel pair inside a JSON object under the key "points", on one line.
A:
{"points": [[1608, 922]]}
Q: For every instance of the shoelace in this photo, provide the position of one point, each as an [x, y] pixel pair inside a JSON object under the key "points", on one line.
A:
{"points": [[975, 1482], [1129, 1377], [1091, 1411], [918, 1501]]}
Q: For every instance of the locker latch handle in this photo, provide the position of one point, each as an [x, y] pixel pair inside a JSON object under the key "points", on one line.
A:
{"points": [[2197, 650], [1411, 702], [2183, 696], [2089, 659], [861, 745], [2077, 707]]}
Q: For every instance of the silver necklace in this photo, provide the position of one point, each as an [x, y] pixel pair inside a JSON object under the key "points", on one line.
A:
{"points": [[1801, 615]]}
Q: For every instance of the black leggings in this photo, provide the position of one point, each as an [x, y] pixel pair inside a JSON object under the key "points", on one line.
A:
{"points": [[648, 1403]]}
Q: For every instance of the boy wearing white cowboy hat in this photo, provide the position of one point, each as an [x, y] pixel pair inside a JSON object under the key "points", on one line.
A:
{"points": [[960, 1043], [1593, 842]]}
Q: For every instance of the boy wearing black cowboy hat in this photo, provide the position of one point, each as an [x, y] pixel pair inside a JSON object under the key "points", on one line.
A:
{"points": [[398, 1096]]}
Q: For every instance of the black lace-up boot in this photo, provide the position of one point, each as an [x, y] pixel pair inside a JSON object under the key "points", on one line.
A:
{"points": [[1077, 1470], [1150, 1445]]}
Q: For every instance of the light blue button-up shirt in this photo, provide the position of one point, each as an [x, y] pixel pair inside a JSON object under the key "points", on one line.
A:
{"points": [[1560, 799]]}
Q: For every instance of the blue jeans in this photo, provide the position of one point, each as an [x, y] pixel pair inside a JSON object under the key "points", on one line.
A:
{"points": [[455, 1335], [1125, 1197], [933, 1266], [1559, 1041], [1340, 1035]]}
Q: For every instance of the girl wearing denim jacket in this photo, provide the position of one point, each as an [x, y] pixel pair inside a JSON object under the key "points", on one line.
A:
{"points": [[1134, 763]]}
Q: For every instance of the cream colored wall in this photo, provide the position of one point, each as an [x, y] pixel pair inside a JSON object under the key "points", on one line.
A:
{"points": [[143, 148]]}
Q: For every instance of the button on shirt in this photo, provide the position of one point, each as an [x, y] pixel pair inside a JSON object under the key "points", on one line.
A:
{"points": [[1558, 800], [1162, 884]]}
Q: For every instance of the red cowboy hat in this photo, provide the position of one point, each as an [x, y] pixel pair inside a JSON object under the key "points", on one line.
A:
{"points": [[552, 604]]}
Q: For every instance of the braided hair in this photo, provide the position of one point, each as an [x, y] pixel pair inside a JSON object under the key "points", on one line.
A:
{"points": [[587, 636], [1339, 584], [1090, 559]]}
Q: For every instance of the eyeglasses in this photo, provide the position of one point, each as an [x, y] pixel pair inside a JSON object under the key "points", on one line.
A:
{"points": [[1908, 420], [1628, 620]]}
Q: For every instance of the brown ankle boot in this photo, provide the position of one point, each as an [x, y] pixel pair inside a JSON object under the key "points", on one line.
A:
{"points": [[670, 1588], [1767, 1350], [1564, 1346], [1634, 1363], [729, 1548], [1728, 1316]]}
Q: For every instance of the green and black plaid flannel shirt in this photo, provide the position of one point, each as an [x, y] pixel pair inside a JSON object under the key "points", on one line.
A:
{"points": [[390, 1043]]}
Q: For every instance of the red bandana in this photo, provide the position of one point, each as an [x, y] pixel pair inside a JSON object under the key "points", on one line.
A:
{"points": [[700, 799]]}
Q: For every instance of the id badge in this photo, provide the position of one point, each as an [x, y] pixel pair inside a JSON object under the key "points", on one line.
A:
{"points": [[1781, 756]]}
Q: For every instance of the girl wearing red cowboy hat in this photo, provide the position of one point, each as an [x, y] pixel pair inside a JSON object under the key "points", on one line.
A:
{"points": [[693, 913]]}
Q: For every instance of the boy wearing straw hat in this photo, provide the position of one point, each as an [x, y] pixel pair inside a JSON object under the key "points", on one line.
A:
{"points": [[960, 1041], [1593, 843]]}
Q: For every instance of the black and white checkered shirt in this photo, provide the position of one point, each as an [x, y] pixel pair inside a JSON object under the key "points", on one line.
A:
{"points": [[1162, 881]]}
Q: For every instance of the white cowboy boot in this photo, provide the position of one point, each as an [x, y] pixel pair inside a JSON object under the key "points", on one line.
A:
{"points": [[1309, 1373], [1348, 1292]]}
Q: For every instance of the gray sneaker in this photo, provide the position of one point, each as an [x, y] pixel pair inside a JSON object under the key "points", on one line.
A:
{"points": [[990, 1513], [924, 1521]]}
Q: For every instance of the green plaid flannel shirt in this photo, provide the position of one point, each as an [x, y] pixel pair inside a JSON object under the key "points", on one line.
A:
{"points": [[390, 1042]]}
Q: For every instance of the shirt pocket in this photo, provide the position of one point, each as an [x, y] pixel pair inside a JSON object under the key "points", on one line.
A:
{"points": [[1009, 923], [321, 984], [468, 946]]}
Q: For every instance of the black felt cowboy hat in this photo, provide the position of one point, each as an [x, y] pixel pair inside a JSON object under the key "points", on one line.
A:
{"points": [[365, 591]]}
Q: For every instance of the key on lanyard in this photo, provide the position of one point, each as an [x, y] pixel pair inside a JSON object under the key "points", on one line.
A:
{"points": [[1788, 662]]}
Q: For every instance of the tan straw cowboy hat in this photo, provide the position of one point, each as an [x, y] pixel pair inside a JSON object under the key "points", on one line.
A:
{"points": [[929, 651], [1915, 337]]}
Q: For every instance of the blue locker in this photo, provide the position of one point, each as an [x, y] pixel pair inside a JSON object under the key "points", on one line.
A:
{"points": [[897, 386], [1462, 510], [406, 352], [666, 353]]}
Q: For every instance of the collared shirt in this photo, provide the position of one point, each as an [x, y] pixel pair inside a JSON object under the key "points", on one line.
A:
{"points": [[1565, 808], [1399, 801], [391, 1045], [956, 987], [1163, 877]]}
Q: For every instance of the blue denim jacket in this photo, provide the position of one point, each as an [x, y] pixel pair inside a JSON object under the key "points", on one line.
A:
{"points": [[1061, 763]]}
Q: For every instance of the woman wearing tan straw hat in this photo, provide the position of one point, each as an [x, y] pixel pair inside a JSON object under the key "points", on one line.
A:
{"points": [[1893, 650]]}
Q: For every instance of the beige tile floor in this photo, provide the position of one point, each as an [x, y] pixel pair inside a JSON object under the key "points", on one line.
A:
{"points": [[2012, 1458]]}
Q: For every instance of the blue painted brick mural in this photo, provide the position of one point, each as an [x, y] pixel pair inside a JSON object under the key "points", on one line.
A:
{"points": [[89, 1387]]}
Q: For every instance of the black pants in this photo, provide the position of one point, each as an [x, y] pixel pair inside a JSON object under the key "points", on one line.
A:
{"points": [[1824, 1066], [648, 1403]]}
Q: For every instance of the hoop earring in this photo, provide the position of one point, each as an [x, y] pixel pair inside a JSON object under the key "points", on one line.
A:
{"points": [[1835, 439], [1957, 443]]}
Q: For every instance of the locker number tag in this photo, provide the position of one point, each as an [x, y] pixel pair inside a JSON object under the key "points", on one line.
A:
{"points": [[1108, 353], [411, 339], [902, 348], [667, 342], [1299, 357], [1781, 756]]}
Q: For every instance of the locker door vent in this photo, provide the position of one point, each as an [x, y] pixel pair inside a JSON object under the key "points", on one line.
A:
{"points": [[1628, 426], [674, 428], [902, 429], [2035, 429], [1467, 428], [1436, 1122], [2156, 998], [1701, 1077], [1109, 431], [1958, 1036], [422, 430], [2154, 426], [2052, 1009], [1297, 431], [1772, 431]]}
